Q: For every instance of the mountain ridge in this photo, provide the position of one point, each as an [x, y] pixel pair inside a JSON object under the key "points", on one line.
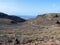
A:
{"points": [[12, 17]]}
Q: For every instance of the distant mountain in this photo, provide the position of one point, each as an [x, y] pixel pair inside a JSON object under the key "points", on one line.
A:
{"points": [[11, 17]]}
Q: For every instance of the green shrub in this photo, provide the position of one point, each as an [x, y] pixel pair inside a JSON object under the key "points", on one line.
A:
{"points": [[34, 39], [29, 40]]}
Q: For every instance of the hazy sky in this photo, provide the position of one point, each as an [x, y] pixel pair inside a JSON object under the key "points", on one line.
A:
{"points": [[29, 7]]}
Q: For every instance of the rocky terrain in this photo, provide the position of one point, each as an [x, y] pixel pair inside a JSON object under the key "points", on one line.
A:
{"points": [[42, 30]]}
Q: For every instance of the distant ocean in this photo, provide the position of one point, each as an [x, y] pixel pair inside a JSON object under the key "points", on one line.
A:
{"points": [[27, 17]]}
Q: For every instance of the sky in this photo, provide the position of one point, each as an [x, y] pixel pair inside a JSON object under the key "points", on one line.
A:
{"points": [[29, 7]]}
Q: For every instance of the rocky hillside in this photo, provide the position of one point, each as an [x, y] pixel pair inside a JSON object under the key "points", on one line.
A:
{"points": [[47, 19]]}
